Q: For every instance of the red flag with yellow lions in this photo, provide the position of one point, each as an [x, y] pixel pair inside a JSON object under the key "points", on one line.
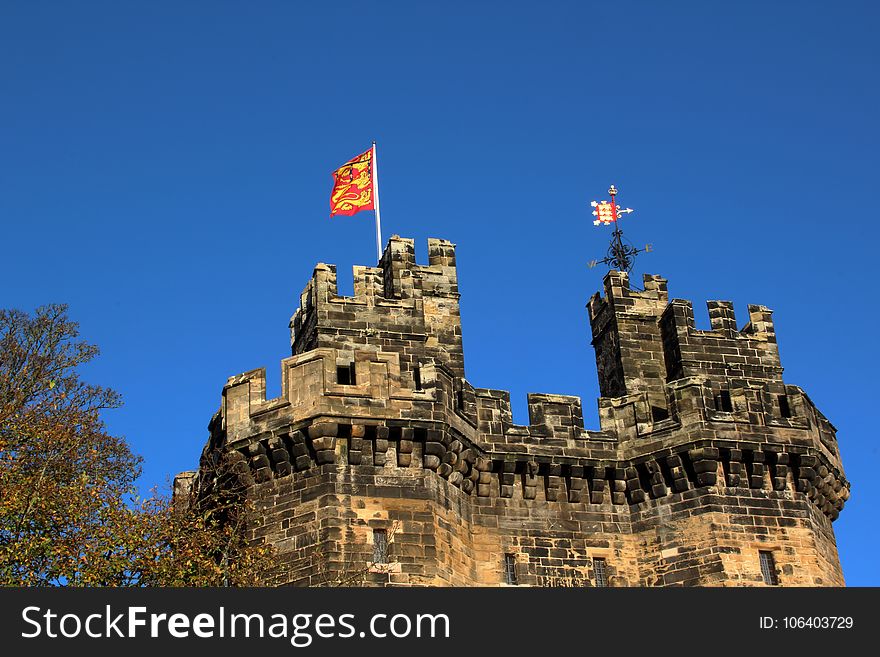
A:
{"points": [[353, 186]]}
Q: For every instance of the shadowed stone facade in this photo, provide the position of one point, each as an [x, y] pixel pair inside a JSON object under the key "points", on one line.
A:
{"points": [[381, 464]]}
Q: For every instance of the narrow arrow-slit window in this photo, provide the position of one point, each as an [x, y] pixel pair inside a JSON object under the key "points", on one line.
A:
{"points": [[380, 546], [768, 568], [600, 572], [510, 569]]}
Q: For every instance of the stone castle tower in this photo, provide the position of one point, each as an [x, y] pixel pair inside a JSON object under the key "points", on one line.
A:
{"points": [[381, 464]]}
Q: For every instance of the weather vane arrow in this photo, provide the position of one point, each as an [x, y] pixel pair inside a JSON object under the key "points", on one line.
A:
{"points": [[621, 254]]}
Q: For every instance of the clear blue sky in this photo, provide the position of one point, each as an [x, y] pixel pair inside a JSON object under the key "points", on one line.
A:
{"points": [[165, 170]]}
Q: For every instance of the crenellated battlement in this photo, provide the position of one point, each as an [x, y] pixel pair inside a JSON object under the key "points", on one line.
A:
{"points": [[422, 426], [397, 306], [698, 432], [723, 351], [384, 392], [620, 297], [664, 382], [554, 420], [643, 340]]}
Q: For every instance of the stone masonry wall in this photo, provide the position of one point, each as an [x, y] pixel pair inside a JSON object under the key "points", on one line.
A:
{"points": [[705, 458]]}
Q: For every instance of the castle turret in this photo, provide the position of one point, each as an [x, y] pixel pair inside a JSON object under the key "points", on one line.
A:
{"points": [[399, 307], [627, 339]]}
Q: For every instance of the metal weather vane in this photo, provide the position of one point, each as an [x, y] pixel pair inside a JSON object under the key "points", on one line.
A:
{"points": [[621, 254]]}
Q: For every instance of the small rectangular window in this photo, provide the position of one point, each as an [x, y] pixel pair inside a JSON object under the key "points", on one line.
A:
{"points": [[658, 413], [417, 377], [784, 407], [345, 375], [510, 569], [380, 546], [723, 402], [600, 572], [768, 568], [459, 399]]}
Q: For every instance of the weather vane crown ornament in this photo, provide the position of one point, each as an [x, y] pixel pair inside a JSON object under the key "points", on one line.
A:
{"points": [[621, 254]]}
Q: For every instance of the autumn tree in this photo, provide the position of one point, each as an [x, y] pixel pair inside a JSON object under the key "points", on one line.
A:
{"points": [[201, 538], [68, 508]]}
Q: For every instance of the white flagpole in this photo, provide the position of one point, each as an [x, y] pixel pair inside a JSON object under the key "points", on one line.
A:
{"points": [[376, 203]]}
